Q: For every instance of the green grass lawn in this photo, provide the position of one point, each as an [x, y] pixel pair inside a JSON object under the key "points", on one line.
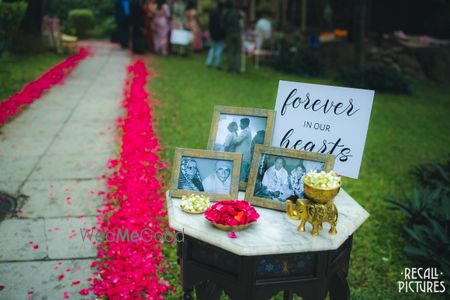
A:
{"points": [[404, 131], [18, 70]]}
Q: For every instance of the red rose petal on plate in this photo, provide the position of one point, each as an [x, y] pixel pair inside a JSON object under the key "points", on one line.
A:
{"points": [[232, 235]]}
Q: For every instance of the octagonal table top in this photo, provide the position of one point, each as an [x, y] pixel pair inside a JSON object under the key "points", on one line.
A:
{"points": [[274, 232]]}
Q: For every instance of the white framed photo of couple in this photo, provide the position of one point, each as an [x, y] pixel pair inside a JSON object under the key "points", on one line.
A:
{"points": [[210, 173], [277, 175], [238, 130]]}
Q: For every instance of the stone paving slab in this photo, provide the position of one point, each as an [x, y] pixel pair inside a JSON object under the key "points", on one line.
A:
{"points": [[39, 280], [15, 168], [24, 146], [22, 239], [36, 117], [71, 166], [41, 128], [96, 110], [60, 99], [64, 238], [10, 187], [88, 142], [102, 93], [62, 198], [82, 127]]}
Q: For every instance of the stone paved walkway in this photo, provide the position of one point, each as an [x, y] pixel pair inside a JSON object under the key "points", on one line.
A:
{"points": [[53, 154]]}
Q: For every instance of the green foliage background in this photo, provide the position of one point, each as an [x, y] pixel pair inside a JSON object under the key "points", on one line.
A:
{"points": [[11, 15]]}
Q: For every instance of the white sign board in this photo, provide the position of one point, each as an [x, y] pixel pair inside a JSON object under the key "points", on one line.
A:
{"points": [[326, 119], [180, 37]]}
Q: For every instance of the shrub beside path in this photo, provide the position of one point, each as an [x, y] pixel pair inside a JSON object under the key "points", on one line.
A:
{"points": [[51, 157]]}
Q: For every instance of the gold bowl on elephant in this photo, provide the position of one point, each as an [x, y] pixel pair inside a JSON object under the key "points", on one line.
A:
{"points": [[320, 195]]}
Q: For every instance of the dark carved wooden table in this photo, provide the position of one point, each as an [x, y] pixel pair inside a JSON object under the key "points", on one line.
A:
{"points": [[268, 257]]}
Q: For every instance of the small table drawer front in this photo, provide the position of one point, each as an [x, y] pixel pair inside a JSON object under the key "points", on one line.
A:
{"points": [[286, 266]]}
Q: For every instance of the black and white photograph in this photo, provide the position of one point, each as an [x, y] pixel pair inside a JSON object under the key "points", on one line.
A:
{"points": [[239, 132], [209, 172], [281, 178], [277, 173], [205, 175]]}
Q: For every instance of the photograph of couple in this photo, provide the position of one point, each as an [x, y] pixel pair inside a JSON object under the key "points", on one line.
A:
{"points": [[205, 175], [238, 133], [281, 178]]}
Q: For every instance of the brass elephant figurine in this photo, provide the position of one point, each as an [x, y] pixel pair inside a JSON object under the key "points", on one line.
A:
{"points": [[313, 213]]}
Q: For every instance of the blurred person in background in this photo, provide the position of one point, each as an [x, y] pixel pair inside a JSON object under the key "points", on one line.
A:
{"points": [[263, 29], [177, 7], [139, 44], [150, 8], [161, 27], [122, 14], [233, 38], [217, 34], [193, 25]]}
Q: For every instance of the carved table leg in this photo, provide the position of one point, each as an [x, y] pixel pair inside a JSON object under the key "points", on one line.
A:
{"points": [[339, 289], [187, 294], [288, 295], [208, 291]]}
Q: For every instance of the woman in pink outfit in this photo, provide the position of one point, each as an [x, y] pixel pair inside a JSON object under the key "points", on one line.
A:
{"points": [[193, 25], [161, 27]]}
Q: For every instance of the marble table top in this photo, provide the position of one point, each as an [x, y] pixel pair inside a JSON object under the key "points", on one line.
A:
{"points": [[274, 232]]}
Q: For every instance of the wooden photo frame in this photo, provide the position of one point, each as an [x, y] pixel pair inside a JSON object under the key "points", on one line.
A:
{"points": [[269, 186], [201, 172], [260, 125]]}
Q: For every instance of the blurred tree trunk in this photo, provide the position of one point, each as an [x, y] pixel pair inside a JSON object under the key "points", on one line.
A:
{"points": [[30, 37], [283, 13], [304, 15], [359, 31], [253, 10]]}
